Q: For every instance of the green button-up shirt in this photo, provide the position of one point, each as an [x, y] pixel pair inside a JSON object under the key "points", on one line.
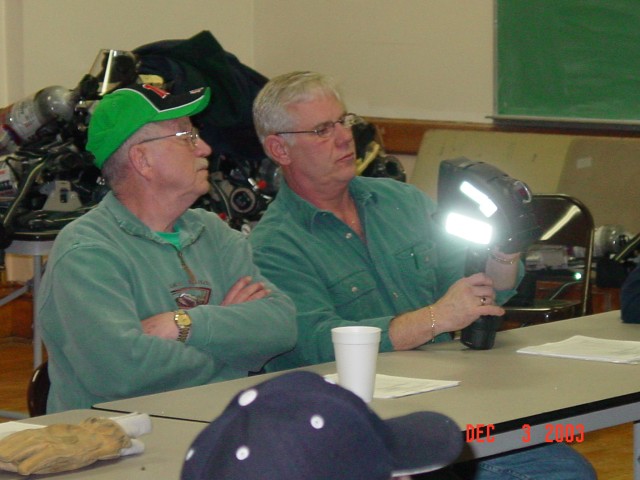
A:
{"points": [[335, 278]]}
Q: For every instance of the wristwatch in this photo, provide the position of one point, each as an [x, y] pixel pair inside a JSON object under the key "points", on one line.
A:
{"points": [[183, 321]]}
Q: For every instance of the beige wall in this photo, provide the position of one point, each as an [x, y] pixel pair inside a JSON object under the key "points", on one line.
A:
{"points": [[11, 50], [423, 59], [61, 38], [420, 59]]}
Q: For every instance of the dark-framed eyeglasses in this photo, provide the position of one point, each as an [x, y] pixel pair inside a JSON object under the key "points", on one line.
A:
{"points": [[192, 135], [326, 129]]}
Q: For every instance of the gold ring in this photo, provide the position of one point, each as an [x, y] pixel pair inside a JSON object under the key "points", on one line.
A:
{"points": [[483, 301]]}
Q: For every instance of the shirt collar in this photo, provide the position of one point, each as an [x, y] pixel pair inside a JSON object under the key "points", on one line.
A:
{"points": [[189, 226], [310, 215]]}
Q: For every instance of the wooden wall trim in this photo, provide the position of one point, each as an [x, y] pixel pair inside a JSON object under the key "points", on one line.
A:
{"points": [[404, 136]]}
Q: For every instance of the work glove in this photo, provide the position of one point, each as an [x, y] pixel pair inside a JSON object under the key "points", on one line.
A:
{"points": [[62, 447]]}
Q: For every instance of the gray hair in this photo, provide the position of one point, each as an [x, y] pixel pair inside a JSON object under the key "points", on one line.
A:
{"points": [[270, 114], [115, 168]]}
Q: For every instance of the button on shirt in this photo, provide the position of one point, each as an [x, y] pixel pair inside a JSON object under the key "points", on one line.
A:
{"points": [[337, 279]]}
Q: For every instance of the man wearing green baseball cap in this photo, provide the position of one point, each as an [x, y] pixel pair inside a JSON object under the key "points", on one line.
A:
{"points": [[144, 294]]}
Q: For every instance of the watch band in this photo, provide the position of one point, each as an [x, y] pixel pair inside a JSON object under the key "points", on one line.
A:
{"points": [[183, 322]]}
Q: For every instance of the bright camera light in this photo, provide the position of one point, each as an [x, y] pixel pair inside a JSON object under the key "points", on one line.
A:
{"points": [[469, 228], [485, 204]]}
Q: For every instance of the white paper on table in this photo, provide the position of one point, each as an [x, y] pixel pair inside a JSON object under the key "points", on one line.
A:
{"points": [[7, 428], [388, 386], [589, 348]]}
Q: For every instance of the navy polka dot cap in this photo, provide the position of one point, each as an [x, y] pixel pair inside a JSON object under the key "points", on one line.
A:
{"points": [[299, 426]]}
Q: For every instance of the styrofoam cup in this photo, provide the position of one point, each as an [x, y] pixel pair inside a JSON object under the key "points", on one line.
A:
{"points": [[356, 350]]}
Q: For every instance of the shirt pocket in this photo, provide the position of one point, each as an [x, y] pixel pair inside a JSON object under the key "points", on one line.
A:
{"points": [[419, 264], [352, 289]]}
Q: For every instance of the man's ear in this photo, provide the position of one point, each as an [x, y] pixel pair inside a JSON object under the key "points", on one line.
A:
{"points": [[277, 149], [139, 161]]}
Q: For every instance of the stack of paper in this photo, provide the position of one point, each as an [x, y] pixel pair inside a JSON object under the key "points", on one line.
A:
{"points": [[588, 348], [392, 387]]}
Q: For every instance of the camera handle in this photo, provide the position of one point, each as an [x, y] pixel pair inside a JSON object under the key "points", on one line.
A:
{"points": [[481, 334]]}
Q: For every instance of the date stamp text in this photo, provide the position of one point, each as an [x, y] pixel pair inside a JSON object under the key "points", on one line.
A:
{"points": [[553, 433]]}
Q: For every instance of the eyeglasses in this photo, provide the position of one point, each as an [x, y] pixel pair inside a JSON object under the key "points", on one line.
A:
{"points": [[192, 135], [326, 129]]}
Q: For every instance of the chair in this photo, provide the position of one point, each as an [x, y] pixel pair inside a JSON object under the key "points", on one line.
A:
{"points": [[565, 222], [38, 390]]}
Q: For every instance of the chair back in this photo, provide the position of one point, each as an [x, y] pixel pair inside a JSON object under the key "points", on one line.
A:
{"points": [[567, 221]]}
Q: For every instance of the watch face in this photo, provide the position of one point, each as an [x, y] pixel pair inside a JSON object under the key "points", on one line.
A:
{"points": [[184, 320]]}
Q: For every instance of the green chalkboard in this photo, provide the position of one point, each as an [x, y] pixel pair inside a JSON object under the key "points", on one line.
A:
{"points": [[568, 60]]}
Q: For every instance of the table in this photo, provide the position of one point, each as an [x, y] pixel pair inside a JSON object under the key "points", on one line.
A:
{"points": [[499, 387], [165, 448], [37, 245]]}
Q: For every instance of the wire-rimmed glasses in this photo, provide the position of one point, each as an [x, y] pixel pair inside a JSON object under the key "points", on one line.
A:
{"points": [[326, 129], [192, 135]]}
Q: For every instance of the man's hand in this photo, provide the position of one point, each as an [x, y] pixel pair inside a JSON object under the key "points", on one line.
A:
{"points": [[244, 290], [465, 301], [62, 447]]}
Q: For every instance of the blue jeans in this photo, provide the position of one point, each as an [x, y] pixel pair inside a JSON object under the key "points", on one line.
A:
{"points": [[546, 462], [555, 461]]}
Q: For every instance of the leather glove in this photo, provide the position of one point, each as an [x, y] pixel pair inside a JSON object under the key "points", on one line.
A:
{"points": [[62, 447]]}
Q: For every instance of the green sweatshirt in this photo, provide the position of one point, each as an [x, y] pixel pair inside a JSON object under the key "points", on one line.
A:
{"points": [[107, 271], [336, 279]]}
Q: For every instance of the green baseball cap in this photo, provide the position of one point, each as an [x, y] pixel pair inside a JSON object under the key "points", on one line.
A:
{"points": [[123, 112]]}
